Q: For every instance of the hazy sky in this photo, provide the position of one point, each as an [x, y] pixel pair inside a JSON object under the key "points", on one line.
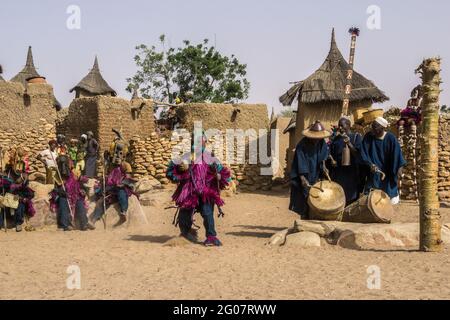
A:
{"points": [[280, 41]]}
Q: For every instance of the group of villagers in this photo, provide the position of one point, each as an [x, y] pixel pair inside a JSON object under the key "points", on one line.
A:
{"points": [[359, 164]]}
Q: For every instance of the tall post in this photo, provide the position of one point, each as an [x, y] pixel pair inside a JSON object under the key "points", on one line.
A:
{"points": [[354, 32], [430, 219]]}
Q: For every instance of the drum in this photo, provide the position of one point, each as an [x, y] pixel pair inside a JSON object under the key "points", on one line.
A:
{"points": [[326, 201], [375, 207]]}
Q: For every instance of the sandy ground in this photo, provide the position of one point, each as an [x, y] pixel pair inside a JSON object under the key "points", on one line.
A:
{"points": [[135, 264]]}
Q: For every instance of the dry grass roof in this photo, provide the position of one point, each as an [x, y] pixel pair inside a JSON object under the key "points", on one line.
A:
{"points": [[94, 82], [29, 71], [328, 83]]}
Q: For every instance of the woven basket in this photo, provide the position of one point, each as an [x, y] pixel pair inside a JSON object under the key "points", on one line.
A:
{"points": [[358, 115], [371, 115]]}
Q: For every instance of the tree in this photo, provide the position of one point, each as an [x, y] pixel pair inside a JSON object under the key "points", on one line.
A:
{"points": [[197, 73], [430, 219], [287, 112]]}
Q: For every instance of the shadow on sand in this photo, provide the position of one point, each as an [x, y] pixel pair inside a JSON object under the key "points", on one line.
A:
{"points": [[150, 238]]}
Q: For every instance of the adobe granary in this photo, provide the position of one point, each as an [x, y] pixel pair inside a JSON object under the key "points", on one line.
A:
{"points": [[100, 114], [93, 84], [320, 96], [29, 75]]}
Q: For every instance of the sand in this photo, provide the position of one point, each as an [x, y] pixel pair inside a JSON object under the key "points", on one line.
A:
{"points": [[138, 264]]}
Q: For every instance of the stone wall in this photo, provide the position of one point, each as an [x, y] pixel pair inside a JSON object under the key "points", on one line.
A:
{"points": [[409, 184], [101, 114], [151, 155], [28, 118], [224, 116]]}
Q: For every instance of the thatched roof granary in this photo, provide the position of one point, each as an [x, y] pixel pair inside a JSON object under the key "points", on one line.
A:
{"points": [[29, 71], [320, 96], [93, 84]]}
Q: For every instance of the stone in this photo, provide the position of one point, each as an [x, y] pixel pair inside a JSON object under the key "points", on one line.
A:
{"points": [[279, 238], [303, 239], [135, 215], [145, 185], [41, 191], [359, 236], [151, 199], [44, 216]]}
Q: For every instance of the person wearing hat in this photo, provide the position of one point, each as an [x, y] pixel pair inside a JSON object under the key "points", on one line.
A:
{"points": [[382, 153], [345, 158], [307, 166]]}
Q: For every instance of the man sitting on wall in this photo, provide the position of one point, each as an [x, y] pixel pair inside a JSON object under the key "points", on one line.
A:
{"points": [[307, 166], [119, 183]]}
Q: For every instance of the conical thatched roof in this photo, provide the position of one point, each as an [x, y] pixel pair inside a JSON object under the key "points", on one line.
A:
{"points": [[29, 71], [328, 83], [94, 82]]}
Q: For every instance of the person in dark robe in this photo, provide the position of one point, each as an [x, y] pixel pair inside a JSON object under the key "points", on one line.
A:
{"points": [[307, 166], [345, 163], [119, 187], [68, 198], [382, 153], [90, 169]]}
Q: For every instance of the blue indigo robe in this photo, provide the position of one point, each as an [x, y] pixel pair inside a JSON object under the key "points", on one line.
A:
{"points": [[386, 154], [308, 162], [348, 177]]}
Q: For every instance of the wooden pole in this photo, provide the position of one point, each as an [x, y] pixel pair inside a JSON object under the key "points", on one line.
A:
{"points": [[430, 218], [354, 32]]}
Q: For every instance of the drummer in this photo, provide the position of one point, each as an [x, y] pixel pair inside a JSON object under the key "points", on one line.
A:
{"points": [[345, 167], [382, 153], [307, 166]]}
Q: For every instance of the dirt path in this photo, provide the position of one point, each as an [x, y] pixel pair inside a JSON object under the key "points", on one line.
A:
{"points": [[135, 264]]}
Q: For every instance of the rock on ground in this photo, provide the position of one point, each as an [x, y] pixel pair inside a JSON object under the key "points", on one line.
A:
{"points": [[44, 216], [368, 236], [135, 215], [303, 239], [41, 191], [279, 238]]}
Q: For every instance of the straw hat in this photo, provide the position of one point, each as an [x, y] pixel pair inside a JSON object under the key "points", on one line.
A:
{"points": [[316, 131]]}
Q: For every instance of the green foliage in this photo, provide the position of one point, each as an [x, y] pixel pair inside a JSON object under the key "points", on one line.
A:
{"points": [[287, 112], [445, 109], [196, 73]]}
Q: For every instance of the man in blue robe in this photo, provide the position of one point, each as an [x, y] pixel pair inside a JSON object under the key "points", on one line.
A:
{"points": [[307, 166], [346, 173], [382, 153]]}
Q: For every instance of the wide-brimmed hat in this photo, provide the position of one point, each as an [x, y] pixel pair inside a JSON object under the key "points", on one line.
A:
{"points": [[316, 131]]}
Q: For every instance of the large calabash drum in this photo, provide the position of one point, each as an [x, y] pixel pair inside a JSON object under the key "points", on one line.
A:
{"points": [[326, 201], [375, 207]]}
